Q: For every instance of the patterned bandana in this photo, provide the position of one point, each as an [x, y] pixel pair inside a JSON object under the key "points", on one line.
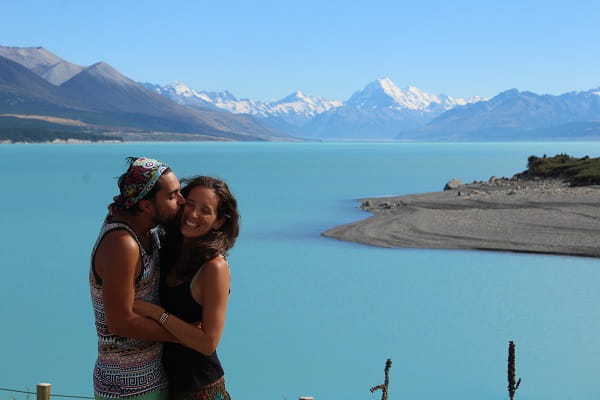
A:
{"points": [[141, 177]]}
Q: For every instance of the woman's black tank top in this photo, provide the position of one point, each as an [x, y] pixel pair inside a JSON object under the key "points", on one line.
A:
{"points": [[187, 369]]}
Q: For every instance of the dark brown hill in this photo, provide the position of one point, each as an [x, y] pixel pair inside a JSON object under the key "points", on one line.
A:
{"points": [[101, 96], [21, 90]]}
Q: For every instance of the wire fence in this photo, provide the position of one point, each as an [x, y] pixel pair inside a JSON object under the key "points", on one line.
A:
{"points": [[2, 389]]}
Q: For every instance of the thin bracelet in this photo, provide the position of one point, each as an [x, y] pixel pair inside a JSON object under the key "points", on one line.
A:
{"points": [[163, 318]]}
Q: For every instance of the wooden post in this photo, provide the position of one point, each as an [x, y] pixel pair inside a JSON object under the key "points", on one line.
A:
{"points": [[43, 391]]}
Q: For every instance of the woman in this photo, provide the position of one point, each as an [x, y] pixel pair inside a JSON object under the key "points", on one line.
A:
{"points": [[195, 289]]}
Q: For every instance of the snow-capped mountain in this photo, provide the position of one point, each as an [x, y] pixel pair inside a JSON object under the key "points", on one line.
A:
{"points": [[381, 111], [34, 81], [182, 94], [299, 103], [289, 113], [383, 93]]}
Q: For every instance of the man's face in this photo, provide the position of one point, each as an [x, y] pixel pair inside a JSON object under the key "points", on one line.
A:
{"points": [[168, 199]]}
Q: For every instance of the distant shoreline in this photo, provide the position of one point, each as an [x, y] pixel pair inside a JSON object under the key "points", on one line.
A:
{"points": [[544, 216], [63, 141]]}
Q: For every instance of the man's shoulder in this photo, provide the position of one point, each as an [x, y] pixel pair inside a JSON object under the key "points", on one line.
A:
{"points": [[118, 255], [119, 240]]}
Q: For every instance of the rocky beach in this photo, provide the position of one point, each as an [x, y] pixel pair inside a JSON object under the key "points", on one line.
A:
{"points": [[519, 215]]}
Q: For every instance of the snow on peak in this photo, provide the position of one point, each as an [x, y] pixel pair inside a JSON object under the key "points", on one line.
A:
{"points": [[295, 108], [383, 93], [387, 85], [296, 96], [298, 108], [180, 88], [300, 104], [181, 93]]}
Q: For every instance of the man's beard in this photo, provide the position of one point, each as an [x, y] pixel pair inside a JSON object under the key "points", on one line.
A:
{"points": [[161, 218]]}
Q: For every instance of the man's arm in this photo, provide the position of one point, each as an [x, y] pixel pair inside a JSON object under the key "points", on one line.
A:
{"points": [[118, 263]]}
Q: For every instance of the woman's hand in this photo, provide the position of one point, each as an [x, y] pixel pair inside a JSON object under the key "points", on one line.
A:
{"points": [[147, 309]]}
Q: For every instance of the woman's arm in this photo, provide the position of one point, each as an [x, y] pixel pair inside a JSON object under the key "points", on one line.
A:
{"points": [[213, 286]]}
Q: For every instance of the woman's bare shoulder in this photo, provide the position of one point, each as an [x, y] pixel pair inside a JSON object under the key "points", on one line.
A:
{"points": [[218, 264]]}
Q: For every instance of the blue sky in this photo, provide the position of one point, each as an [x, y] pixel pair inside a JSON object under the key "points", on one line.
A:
{"points": [[265, 50]]}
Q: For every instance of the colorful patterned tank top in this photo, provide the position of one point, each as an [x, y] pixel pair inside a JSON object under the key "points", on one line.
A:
{"points": [[127, 367]]}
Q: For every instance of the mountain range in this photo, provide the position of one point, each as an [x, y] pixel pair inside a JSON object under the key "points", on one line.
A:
{"points": [[34, 83], [380, 110], [287, 114], [38, 84], [517, 115]]}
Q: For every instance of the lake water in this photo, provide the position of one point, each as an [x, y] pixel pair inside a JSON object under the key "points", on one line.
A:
{"points": [[308, 315]]}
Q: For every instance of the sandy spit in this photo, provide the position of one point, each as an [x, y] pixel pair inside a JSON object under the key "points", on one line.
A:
{"points": [[537, 216]]}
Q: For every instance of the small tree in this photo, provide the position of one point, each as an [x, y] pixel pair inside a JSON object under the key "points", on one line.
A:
{"points": [[512, 385], [386, 382]]}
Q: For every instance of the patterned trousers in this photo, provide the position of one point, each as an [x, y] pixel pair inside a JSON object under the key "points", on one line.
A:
{"points": [[214, 391]]}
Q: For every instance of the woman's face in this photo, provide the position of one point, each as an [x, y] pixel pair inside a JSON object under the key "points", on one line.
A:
{"points": [[200, 213]]}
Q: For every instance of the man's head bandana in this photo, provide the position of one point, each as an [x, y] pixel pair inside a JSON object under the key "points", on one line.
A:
{"points": [[139, 179]]}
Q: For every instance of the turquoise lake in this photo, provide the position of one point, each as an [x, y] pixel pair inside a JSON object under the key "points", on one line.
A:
{"points": [[308, 315]]}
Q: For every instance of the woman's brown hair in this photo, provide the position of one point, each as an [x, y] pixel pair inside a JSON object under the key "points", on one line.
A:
{"points": [[188, 255]]}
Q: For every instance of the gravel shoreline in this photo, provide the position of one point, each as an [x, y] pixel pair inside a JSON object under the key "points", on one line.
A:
{"points": [[533, 216]]}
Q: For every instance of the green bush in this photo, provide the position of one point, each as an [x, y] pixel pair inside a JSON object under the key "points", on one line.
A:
{"points": [[577, 171]]}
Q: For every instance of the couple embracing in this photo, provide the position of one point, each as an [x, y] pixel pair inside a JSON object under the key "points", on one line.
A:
{"points": [[160, 282]]}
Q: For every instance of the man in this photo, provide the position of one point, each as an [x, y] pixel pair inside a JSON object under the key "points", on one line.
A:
{"points": [[125, 267]]}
